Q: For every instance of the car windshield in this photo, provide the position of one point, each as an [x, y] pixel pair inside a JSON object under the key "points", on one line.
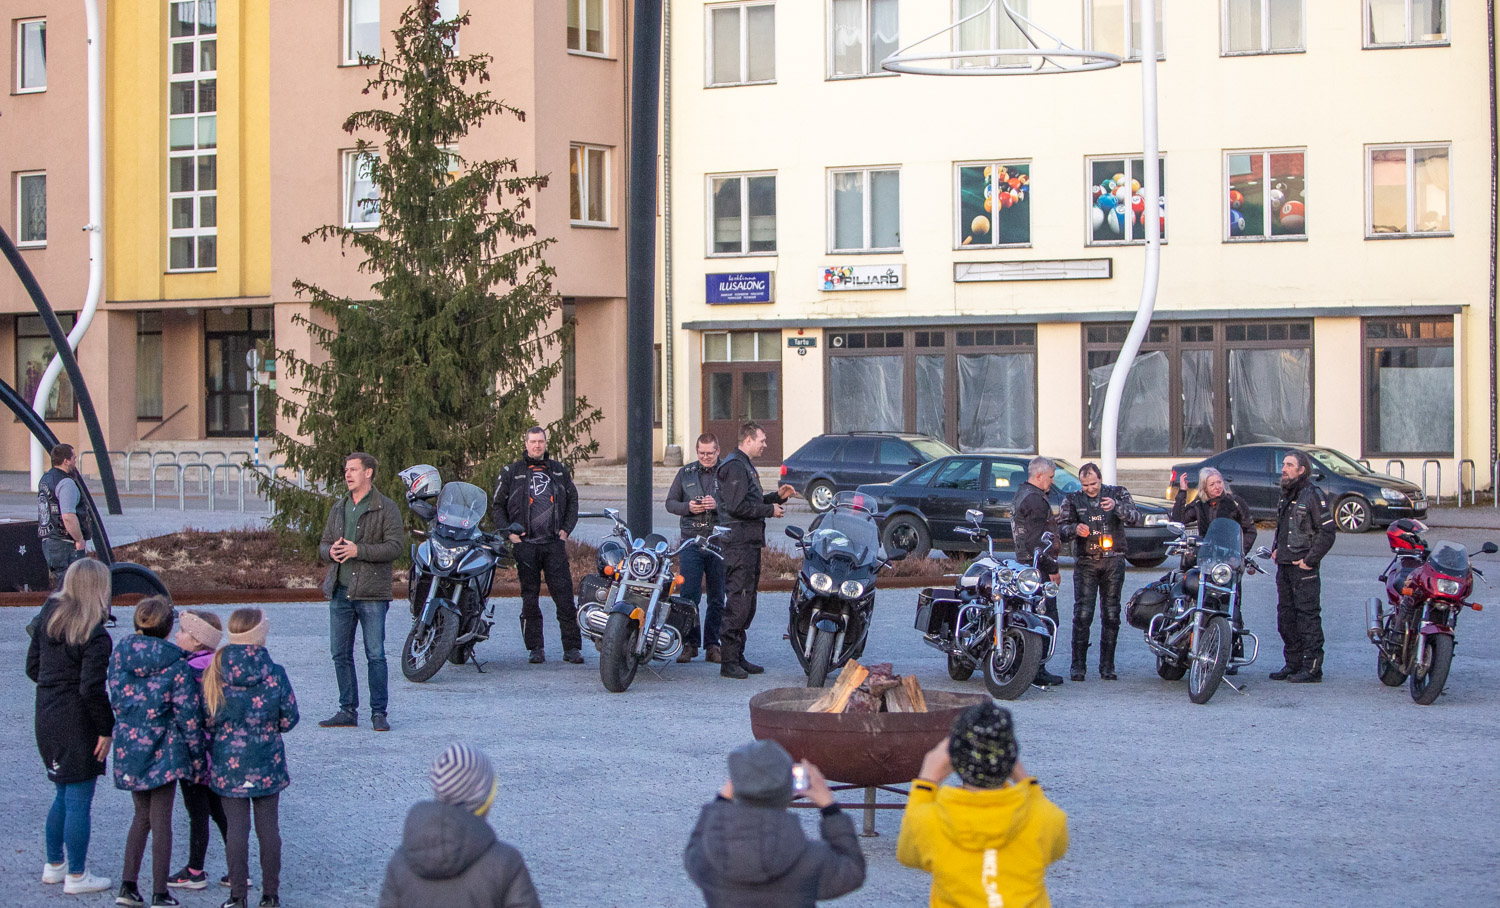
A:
{"points": [[1222, 543], [1450, 558], [460, 507], [1066, 478], [1335, 462], [931, 448]]}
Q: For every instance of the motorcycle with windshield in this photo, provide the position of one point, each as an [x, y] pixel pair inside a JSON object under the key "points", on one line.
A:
{"points": [[834, 597], [1187, 616], [630, 608], [451, 573], [992, 617], [1426, 587]]}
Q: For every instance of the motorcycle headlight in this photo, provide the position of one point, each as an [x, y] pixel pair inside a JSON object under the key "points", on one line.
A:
{"points": [[851, 589], [1005, 575], [1446, 587], [1220, 574], [821, 583], [442, 556], [1029, 581], [1157, 520], [1393, 496], [642, 564], [1050, 589]]}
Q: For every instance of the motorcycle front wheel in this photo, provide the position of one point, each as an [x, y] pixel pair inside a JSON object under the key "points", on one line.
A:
{"points": [[1427, 686], [822, 658], [1011, 666], [1210, 658], [425, 650], [959, 669], [617, 663]]}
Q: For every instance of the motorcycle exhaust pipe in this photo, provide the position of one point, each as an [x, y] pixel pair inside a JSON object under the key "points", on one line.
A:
{"points": [[1374, 618], [592, 619]]}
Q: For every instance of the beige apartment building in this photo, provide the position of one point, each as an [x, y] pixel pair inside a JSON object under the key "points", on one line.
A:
{"points": [[224, 147], [857, 250]]}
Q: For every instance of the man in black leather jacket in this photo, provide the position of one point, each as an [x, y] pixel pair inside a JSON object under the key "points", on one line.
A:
{"points": [[1095, 518], [694, 498], [1031, 517], [1304, 533]]}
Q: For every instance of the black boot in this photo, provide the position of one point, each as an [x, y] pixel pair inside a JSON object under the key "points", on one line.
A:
{"points": [[1079, 668], [1286, 671], [1046, 678], [1237, 652], [1108, 637], [1311, 673]]}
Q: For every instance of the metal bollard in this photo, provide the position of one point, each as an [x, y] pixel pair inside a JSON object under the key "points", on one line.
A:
{"points": [[1473, 480], [1399, 463], [1437, 498]]}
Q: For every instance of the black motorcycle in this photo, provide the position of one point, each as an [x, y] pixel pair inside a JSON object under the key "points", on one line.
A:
{"points": [[451, 572], [834, 596]]}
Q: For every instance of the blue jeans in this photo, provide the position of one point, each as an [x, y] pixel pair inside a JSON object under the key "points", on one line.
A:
{"points": [[369, 614], [68, 824], [695, 565]]}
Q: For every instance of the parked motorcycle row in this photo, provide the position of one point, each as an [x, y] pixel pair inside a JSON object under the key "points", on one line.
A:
{"points": [[991, 619]]}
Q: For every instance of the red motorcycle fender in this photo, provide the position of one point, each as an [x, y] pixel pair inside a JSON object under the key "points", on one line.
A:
{"points": [[1436, 629]]}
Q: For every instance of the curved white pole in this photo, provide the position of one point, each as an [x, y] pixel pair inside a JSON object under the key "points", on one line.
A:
{"points": [[1110, 423], [95, 226]]}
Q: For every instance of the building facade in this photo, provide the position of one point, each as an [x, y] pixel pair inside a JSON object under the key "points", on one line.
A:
{"points": [[857, 250]]}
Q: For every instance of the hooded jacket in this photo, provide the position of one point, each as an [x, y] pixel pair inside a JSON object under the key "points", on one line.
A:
{"points": [[450, 857], [247, 758], [982, 844], [743, 856], [72, 703], [158, 714]]}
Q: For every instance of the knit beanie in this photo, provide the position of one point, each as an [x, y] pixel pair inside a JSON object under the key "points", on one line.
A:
{"points": [[462, 776], [255, 636], [982, 746], [204, 633], [761, 772]]}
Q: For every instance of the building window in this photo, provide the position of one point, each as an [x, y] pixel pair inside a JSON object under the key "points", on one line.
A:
{"points": [[1198, 388], [865, 210], [743, 214], [1263, 26], [34, 351], [148, 365], [1266, 195], [984, 26], [587, 27], [741, 347], [1117, 209], [31, 210], [1405, 23], [361, 30], [31, 55], [1409, 387], [588, 172], [861, 34], [741, 43], [361, 197], [1107, 22], [192, 137], [994, 204], [1409, 191]]}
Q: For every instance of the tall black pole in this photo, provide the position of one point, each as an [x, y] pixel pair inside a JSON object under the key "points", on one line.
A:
{"points": [[640, 303]]}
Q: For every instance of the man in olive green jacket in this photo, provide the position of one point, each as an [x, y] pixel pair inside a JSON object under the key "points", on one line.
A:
{"points": [[358, 586]]}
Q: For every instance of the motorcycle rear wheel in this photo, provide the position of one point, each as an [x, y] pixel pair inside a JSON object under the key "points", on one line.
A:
{"points": [[617, 664], [1168, 671], [960, 669], [822, 659], [1390, 673], [1011, 667], [1427, 687], [425, 651], [1214, 643]]}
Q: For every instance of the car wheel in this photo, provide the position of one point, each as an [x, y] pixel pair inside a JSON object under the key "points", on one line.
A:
{"points": [[819, 495], [1352, 514], [905, 531], [1146, 561]]}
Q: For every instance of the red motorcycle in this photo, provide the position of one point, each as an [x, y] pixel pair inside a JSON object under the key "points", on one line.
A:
{"points": [[1426, 588]]}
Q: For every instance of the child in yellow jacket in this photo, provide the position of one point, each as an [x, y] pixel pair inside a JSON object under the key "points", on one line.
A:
{"points": [[987, 843]]}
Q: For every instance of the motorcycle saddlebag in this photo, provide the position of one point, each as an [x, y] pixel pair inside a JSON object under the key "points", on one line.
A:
{"points": [[1147, 602], [937, 611], [593, 588]]}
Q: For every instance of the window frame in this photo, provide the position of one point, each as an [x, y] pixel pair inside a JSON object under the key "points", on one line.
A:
{"points": [[583, 149], [142, 329], [743, 6], [866, 63], [867, 201], [1128, 160], [744, 181], [347, 55], [1367, 344], [21, 241], [67, 320], [583, 30], [1129, 6], [958, 231], [1411, 149], [1265, 32], [758, 333], [196, 153], [1266, 236], [349, 159], [1367, 44], [21, 88]]}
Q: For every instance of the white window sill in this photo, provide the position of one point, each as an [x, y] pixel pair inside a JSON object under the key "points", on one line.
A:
{"points": [[743, 255], [192, 270], [882, 74], [363, 226], [1408, 236], [32, 245], [1232, 240], [1443, 43], [1140, 242], [1263, 53], [592, 225], [895, 250], [739, 84], [588, 53], [990, 247], [352, 64], [29, 91]]}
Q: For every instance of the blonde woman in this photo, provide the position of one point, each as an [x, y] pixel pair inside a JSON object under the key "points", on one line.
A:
{"points": [[69, 661]]}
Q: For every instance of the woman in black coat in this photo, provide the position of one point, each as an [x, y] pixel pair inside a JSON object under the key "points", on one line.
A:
{"points": [[69, 661]]}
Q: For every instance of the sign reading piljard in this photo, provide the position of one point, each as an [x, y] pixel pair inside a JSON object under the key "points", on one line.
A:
{"points": [[739, 287], [863, 277]]}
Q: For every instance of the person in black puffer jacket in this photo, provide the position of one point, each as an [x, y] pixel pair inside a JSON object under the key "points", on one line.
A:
{"points": [[449, 855], [1305, 531], [748, 851], [1031, 518]]}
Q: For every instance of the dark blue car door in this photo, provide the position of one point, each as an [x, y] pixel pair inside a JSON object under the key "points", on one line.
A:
{"points": [[1001, 482], [956, 488]]}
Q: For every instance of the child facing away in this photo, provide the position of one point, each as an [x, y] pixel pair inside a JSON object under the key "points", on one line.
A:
{"points": [[990, 840], [199, 634], [249, 705]]}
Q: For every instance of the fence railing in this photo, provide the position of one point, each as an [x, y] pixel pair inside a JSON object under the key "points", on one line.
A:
{"points": [[1436, 497]]}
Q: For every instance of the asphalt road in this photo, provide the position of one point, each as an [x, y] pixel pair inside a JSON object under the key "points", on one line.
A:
{"points": [[1344, 793]]}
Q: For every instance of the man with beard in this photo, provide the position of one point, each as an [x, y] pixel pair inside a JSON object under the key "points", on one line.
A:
{"points": [[694, 498], [1304, 533], [1030, 518], [1214, 501], [1095, 518]]}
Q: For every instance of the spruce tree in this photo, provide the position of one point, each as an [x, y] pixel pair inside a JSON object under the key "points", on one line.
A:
{"points": [[449, 361]]}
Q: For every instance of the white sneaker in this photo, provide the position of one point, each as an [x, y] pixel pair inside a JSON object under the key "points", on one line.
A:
{"points": [[54, 873], [76, 885]]}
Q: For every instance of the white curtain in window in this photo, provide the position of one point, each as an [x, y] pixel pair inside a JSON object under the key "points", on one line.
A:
{"points": [[931, 409], [1145, 420], [997, 402], [848, 37], [849, 210], [363, 17], [865, 394], [761, 25], [884, 31], [1286, 24], [33, 55], [364, 198], [1270, 396], [726, 45], [885, 209], [1387, 21], [1432, 190], [1243, 23]]}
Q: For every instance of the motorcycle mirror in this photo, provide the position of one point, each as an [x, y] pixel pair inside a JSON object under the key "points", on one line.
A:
{"points": [[1489, 548], [515, 529], [612, 513], [721, 531], [1262, 552], [975, 516], [1176, 527], [794, 533], [896, 554]]}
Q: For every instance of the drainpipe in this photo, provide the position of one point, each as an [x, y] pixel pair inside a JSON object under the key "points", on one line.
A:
{"points": [[672, 451], [1494, 237], [95, 228]]}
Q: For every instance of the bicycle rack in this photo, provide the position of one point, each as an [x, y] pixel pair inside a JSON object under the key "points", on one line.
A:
{"points": [[213, 483], [182, 484], [155, 469], [1473, 481], [130, 456], [1437, 498], [1365, 461], [1399, 463]]}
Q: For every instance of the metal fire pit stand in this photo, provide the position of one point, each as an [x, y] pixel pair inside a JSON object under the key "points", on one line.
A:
{"points": [[869, 806]]}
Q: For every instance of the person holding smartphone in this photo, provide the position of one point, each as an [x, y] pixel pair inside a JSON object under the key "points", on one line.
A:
{"points": [[694, 498]]}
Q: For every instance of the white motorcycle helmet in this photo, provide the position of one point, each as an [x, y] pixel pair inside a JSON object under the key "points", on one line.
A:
{"points": [[423, 482]]}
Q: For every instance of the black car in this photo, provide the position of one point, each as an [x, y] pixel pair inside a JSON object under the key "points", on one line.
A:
{"points": [[1360, 497], [830, 464], [923, 508]]}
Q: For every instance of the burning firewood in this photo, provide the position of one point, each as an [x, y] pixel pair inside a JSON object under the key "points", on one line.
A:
{"points": [[872, 690]]}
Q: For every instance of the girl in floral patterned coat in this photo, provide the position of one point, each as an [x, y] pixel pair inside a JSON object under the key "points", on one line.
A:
{"points": [[249, 704], [158, 739]]}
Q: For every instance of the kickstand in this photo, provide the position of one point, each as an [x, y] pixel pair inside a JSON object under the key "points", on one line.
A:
{"points": [[477, 664], [652, 669], [1237, 688]]}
